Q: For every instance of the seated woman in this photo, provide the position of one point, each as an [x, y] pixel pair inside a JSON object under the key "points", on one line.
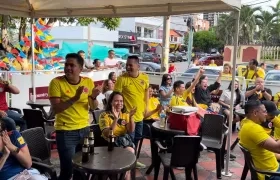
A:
{"points": [[226, 98], [107, 88], [154, 108], [97, 65], [226, 72], [15, 157]]}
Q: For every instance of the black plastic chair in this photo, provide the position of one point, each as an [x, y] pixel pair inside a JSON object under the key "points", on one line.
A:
{"points": [[38, 144], [34, 118], [15, 109], [250, 165], [147, 134], [96, 114], [47, 170], [184, 153], [213, 137]]}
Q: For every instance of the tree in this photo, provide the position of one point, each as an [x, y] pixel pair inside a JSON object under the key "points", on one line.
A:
{"points": [[205, 40]]}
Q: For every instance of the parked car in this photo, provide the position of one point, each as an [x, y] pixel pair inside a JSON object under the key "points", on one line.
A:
{"points": [[272, 77], [172, 58], [150, 57], [209, 71], [149, 67], [205, 61], [130, 54], [179, 57]]}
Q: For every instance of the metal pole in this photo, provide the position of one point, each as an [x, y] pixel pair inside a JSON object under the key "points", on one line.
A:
{"points": [[236, 15], [165, 44], [190, 43], [33, 61]]}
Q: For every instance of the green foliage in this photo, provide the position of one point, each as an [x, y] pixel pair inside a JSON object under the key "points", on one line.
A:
{"points": [[205, 40]]}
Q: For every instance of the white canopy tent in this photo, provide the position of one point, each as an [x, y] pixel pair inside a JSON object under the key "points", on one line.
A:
{"points": [[124, 8]]}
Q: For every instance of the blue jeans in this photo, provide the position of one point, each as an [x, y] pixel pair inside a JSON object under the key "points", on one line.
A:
{"points": [[274, 177], [137, 134], [13, 118], [67, 141]]}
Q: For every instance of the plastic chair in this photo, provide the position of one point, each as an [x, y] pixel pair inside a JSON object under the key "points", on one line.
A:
{"points": [[96, 114], [184, 153], [146, 134], [250, 164], [34, 118], [15, 109], [213, 137]]}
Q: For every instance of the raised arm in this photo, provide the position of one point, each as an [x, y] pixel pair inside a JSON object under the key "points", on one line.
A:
{"points": [[196, 79]]}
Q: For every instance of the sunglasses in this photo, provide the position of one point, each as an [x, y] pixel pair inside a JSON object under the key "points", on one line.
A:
{"points": [[169, 79]]}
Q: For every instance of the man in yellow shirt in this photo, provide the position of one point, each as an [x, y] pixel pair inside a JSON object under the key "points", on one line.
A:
{"points": [[276, 99], [70, 96], [134, 86], [212, 63], [177, 99], [272, 119], [252, 72], [255, 139]]}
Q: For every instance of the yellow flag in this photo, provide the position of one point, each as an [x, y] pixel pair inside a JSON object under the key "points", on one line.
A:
{"points": [[53, 54], [35, 51], [6, 60], [27, 34], [39, 33], [40, 51], [48, 38]]}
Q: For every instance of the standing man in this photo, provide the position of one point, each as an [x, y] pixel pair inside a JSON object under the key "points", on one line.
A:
{"points": [[70, 96], [135, 89], [11, 118], [110, 61], [87, 63]]}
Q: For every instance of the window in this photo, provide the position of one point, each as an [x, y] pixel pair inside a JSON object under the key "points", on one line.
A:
{"points": [[175, 39], [148, 33], [138, 31]]}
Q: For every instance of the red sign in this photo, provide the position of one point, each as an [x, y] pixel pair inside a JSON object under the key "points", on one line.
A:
{"points": [[41, 92]]}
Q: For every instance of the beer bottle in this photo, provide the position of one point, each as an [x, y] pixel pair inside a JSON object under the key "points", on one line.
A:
{"points": [[85, 151], [91, 142], [111, 143]]}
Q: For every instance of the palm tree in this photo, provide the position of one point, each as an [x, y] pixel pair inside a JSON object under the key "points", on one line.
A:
{"points": [[265, 21], [224, 29]]}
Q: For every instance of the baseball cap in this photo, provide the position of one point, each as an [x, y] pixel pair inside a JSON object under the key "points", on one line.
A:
{"points": [[271, 108]]}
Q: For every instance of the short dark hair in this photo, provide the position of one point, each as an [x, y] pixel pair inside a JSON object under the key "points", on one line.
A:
{"points": [[262, 64], [188, 84], [80, 52], [177, 84], [255, 62], [95, 61], [136, 58], [276, 65], [251, 105], [2, 126], [201, 78], [111, 51], [110, 100], [76, 56]]}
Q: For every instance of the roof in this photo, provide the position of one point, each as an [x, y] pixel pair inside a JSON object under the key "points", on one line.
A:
{"points": [[174, 33], [113, 8]]}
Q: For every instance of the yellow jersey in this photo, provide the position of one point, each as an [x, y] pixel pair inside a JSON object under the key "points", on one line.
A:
{"points": [[152, 105], [226, 76], [251, 135], [213, 65], [251, 74], [178, 101], [76, 116], [188, 97], [106, 119], [277, 99], [276, 125], [134, 93]]}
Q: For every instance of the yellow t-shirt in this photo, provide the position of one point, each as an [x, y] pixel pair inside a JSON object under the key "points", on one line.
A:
{"points": [[213, 65], [251, 74], [152, 105], [277, 98], [76, 116], [106, 119], [178, 101], [134, 92], [188, 97], [276, 125], [251, 135], [226, 76]]}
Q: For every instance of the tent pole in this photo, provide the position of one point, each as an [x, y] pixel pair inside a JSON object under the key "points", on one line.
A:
{"points": [[236, 17], [33, 98], [165, 44]]}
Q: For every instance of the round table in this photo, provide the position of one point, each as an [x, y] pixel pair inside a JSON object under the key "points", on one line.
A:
{"points": [[166, 129], [104, 163], [40, 104]]}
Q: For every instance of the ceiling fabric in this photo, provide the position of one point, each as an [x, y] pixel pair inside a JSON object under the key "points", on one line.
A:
{"points": [[113, 8]]}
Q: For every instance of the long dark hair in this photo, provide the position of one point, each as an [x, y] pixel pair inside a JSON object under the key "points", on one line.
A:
{"points": [[110, 100], [111, 74], [238, 93], [164, 79]]}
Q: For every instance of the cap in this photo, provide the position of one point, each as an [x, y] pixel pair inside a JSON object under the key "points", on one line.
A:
{"points": [[271, 108]]}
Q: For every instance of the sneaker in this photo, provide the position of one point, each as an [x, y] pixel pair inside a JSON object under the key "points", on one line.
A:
{"points": [[140, 165]]}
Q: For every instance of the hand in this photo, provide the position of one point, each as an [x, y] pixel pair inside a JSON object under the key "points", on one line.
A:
{"points": [[132, 111], [7, 141], [201, 70], [258, 87], [79, 92], [262, 87], [220, 73], [6, 151], [159, 107], [115, 113], [96, 91], [3, 114]]}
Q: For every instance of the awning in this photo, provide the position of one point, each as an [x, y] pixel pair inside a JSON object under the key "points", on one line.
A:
{"points": [[113, 8]]}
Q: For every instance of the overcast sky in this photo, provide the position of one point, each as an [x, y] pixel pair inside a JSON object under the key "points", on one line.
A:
{"points": [[264, 5]]}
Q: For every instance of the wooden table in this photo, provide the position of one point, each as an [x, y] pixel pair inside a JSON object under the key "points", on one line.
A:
{"points": [[106, 164], [40, 104]]}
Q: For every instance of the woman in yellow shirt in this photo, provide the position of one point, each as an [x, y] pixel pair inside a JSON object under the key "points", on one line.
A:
{"points": [[227, 72], [154, 107]]}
